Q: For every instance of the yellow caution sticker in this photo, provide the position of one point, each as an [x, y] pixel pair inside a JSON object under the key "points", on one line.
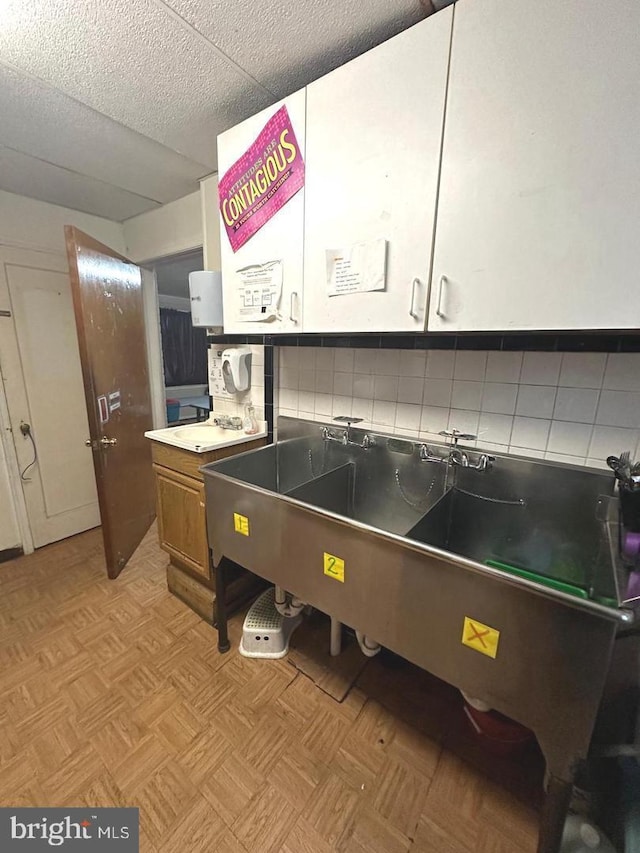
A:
{"points": [[481, 638], [334, 567], [240, 523]]}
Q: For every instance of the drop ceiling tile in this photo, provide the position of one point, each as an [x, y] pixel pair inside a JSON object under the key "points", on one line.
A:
{"points": [[286, 45], [136, 63], [41, 121], [27, 176]]}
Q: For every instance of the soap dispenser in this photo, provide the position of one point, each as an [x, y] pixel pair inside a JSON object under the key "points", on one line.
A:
{"points": [[236, 369]]}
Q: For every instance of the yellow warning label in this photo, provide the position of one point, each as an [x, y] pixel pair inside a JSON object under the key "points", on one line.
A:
{"points": [[481, 638], [334, 567], [240, 523]]}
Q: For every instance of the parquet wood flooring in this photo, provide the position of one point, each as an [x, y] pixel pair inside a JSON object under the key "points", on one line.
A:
{"points": [[113, 693]]}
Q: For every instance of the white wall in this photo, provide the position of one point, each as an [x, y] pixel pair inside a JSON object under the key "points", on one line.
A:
{"points": [[35, 224], [30, 224], [567, 407], [210, 223], [168, 230]]}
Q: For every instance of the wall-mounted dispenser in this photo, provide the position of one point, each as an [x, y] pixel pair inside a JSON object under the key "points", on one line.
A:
{"points": [[236, 369], [205, 290]]}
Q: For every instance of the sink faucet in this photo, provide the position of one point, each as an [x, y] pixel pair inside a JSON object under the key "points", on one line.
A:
{"points": [[228, 421], [456, 456], [344, 438]]}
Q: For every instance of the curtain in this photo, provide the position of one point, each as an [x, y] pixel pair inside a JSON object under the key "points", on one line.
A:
{"points": [[184, 349]]}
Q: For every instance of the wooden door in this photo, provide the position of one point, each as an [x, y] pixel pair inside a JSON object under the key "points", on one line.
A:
{"points": [[539, 205], [279, 239], [374, 129], [107, 298], [43, 384]]}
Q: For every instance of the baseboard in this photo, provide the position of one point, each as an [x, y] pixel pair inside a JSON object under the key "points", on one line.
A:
{"points": [[10, 554]]}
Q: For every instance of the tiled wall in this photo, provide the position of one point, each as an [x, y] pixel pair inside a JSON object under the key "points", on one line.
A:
{"points": [[570, 407], [233, 404]]}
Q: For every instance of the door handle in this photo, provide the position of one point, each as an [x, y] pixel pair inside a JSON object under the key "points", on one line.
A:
{"points": [[441, 284], [412, 310], [108, 442], [291, 304]]}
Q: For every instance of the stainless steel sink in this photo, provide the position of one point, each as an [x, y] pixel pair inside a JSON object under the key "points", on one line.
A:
{"points": [[426, 547]]}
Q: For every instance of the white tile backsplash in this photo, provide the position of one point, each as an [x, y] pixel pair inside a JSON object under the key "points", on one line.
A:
{"points": [[623, 372], [576, 404], [569, 438], [437, 392], [384, 412], [324, 358], [413, 363], [363, 385], [386, 388], [470, 364], [618, 408], [536, 401], [434, 418], [343, 360], [410, 389], [408, 416], [578, 407], [540, 368], [466, 394], [530, 432], [504, 366], [494, 428], [582, 369], [499, 397], [440, 364], [343, 384]]}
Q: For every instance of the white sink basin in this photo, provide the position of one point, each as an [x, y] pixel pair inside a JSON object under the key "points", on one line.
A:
{"points": [[200, 438], [203, 433]]}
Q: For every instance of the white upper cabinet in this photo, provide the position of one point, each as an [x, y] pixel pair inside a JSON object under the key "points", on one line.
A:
{"points": [[279, 240], [538, 223], [373, 136]]}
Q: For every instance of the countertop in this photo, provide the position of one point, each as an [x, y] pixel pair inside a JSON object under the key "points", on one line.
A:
{"points": [[203, 437]]}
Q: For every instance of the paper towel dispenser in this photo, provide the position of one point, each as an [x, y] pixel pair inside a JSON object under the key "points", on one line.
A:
{"points": [[205, 290]]}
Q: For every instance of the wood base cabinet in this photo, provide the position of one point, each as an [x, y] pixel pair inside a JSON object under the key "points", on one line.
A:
{"points": [[182, 524]]}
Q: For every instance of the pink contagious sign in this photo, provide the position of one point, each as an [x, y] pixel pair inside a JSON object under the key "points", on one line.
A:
{"points": [[269, 173]]}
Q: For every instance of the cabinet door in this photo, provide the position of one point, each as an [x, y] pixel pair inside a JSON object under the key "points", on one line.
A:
{"points": [[279, 239], [374, 129], [182, 523], [539, 205]]}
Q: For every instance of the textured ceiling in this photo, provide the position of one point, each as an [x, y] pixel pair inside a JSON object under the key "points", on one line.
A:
{"points": [[113, 106]]}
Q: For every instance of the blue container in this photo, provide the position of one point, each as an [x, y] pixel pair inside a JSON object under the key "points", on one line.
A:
{"points": [[173, 410]]}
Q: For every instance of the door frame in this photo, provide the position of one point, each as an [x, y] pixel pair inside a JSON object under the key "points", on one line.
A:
{"points": [[13, 469], [156, 381]]}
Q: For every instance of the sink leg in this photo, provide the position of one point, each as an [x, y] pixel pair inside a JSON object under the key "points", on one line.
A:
{"points": [[554, 813], [221, 607], [336, 637]]}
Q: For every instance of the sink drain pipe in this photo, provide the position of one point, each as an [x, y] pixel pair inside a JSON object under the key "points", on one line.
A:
{"points": [[287, 604], [368, 646]]}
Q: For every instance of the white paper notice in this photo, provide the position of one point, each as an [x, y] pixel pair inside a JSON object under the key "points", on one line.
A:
{"points": [[359, 268], [259, 292]]}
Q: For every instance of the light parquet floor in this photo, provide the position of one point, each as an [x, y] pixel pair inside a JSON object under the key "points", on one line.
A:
{"points": [[113, 693]]}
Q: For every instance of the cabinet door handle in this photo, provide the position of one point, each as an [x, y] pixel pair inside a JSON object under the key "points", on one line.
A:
{"points": [[441, 284], [412, 310], [291, 304]]}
